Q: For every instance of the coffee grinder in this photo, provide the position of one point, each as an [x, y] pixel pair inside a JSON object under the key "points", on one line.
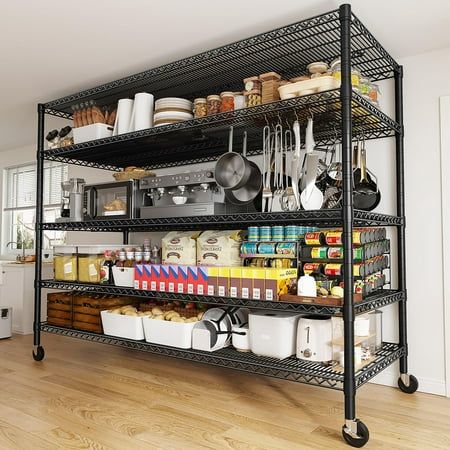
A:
{"points": [[72, 200]]}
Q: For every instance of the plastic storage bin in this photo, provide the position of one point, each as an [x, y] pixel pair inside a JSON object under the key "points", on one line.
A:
{"points": [[90, 259], [273, 334], [65, 262], [91, 132], [129, 327], [163, 332], [123, 276]]}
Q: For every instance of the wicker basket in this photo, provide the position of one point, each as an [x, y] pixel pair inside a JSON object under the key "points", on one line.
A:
{"points": [[132, 175]]}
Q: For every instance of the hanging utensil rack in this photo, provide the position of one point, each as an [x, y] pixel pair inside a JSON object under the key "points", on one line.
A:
{"points": [[287, 50]]}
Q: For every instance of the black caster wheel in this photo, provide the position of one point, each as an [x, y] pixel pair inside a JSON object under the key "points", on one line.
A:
{"points": [[39, 354], [411, 387], [358, 440]]}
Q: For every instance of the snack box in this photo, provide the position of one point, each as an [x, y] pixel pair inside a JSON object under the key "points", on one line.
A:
{"points": [[235, 281], [192, 279], [212, 287], [172, 284], [223, 281], [182, 279], [246, 282], [155, 276], [259, 282], [138, 276], [164, 278], [279, 282]]}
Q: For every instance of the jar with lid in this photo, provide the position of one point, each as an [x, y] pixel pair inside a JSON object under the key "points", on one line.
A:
{"points": [[364, 86], [52, 139], [336, 71], [253, 91], [65, 136], [213, 104], [239, 100], [200, 109], [252, 83], [227, 101], [374, 93], [65, 262], [90, 261]]}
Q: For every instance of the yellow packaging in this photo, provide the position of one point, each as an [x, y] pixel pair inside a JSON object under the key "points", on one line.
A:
{"points": [[223, 281], [258, 278], [213, 273], [235, 281], [247, 282], [279, 282]]}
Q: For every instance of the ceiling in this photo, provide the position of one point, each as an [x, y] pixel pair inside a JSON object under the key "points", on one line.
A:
{"points": [[51, 48]]}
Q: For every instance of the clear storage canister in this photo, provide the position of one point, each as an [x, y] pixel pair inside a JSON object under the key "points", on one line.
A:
{"points": [[336, 71], [200, 109], [65, 262], [227, 101], [90, 259], [213, 104]]}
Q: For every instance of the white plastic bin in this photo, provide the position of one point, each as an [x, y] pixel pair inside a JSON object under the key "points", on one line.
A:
{"points": [[5, 322], [123, 276], [273, 334], [129, 327], [164, 332], [91, 132]]}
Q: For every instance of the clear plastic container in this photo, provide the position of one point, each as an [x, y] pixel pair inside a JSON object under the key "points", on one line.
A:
{"points": [[355, 73], [213, 104], [227, 101], [90, 260], [364, 86], [65, 262], [374, 93], [200, 109]]}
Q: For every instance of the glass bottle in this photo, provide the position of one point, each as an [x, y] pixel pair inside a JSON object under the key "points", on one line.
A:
{"points": [[138, 256], [130, 258], [122, 258], [106, 274], [155, 258]]}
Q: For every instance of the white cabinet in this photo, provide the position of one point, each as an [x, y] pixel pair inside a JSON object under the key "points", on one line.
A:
{"points": [[17, 291]]}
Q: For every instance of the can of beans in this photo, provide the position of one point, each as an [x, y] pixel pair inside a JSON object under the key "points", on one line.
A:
{"points": [[309, 268], [266, 248], [335, 252], [253, 234], [278, 233], [287, 248], [291, 232], [265, 234], [249, 248], [314, 238]]}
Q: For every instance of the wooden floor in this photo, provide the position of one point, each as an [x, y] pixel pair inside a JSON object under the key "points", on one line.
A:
{"points": [[86, 395]]}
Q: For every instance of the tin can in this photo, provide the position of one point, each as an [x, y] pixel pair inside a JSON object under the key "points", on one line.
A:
{"points": [[333, 269], [249, 248], [265, 234], [291, 232], [319, 252], [309, 268], [314, 238], [276, 263], [287, 248], [266, 248], [253, 234], [278, 233]]}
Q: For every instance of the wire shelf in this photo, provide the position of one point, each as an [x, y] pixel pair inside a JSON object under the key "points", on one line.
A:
{"points": [[288, 50], [204, 139]]}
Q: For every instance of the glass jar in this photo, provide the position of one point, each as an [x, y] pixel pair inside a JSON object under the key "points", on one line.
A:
{"points": [[200, 109], [336, 71], [90, 260], [52, 139], [213, 104], [253, 98], [65, 262], [227, 101], [374, 93], [364, 86], [252, 83], [65, 137]]}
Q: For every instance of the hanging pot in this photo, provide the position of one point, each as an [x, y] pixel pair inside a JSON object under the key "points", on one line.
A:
{"points": [[233, 170]]}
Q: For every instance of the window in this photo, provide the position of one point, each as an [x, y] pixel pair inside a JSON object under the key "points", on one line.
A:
{"points": [[20, 202]]}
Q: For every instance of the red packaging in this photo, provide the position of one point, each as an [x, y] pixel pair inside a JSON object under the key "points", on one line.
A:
{"points": [[146, 277], [202, 284], [182, 279], [192, 280], [155, 277], [164, 278], [138, 276], [172, 278]]}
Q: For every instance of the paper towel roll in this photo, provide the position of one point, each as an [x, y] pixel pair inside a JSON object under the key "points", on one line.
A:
{"points": [[123, 117], [142, 116]]}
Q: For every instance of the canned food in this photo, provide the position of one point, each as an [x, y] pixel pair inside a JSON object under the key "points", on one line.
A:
{"points": [[266, 248], [291, 232], [265, 233], [337, 270], [338, 253], [253, 234], [309, 268], [287, 248], [314, 238], [278, 233], [249, 248], [319, 252], [276, 263]]}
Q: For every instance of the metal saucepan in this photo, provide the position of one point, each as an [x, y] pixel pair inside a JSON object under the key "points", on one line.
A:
{"points": [[232, 170], [252, 188]]}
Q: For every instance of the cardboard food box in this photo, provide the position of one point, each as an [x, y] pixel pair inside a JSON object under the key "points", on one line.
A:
{"points": [[192, 279], [164, 278], [235, 281], [202, 284], [212, 288], [172, 284], [182, 279], [259, 278], [138, 276], [155, 277], [219, 248], [279, 282], [246, 282], [223, 281], [179, 247]]}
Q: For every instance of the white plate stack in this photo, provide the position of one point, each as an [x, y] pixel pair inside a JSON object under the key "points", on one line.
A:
{"points": [[171, 110]]}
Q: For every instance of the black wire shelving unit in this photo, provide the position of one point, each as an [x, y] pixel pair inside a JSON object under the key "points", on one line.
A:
{"points": [[340, 115]]}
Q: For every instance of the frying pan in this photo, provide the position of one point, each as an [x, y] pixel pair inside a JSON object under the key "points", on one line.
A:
{"points": [[233, 170], [366, 195]]}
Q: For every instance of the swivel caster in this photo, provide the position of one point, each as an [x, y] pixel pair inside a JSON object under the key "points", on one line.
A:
{"points": [[408, 383], [355, 433], [39, 354]]}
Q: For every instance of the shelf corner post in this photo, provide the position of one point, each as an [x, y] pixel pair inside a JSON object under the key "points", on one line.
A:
{"points": [[401, 238], [345, 17], [38, 224]]}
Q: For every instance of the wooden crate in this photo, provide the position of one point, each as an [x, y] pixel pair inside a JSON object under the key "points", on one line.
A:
{"points": [[59, 309]]}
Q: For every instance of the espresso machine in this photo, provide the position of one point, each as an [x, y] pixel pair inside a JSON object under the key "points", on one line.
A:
{"points": [[183, 194], [72, 200]]}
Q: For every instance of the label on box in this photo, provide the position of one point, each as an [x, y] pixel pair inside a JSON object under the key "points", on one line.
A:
{"points": [[171, 286], [190, 288], [162, 286], [68, 268], [145, 285], [153, 286], [180, 288], [233, 291], [221, 291], [211, 289], [245, 292], [92, 270], [269, 295], [200, 289], [256, 294], [137, 284]]}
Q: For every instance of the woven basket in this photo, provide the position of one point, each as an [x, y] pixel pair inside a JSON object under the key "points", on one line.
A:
{"points": [[132, 175]]}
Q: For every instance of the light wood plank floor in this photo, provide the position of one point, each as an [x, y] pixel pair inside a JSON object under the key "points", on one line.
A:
{"points": [[86, 395]]}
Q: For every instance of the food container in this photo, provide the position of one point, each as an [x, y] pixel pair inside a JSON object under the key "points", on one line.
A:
{"points": [[270, 83], [123, 326], [291, 232], [91, 132], [213, 103], [239, 100], [253, 234], [267, 248], [164, 332], [253, 84], [265, 233], [364, 86], [374, 93], [226, 101], [317, 67], [336, 71], [90, 259], [65, 262], [273, 334], [314, 238], [200, 109], [123, 276], [278, 233], [253, 98]]}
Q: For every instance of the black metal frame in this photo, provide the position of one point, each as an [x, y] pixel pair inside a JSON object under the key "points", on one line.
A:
{"points": [[322, 37]]}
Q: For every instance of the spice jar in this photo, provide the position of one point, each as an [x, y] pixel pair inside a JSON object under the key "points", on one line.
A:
{"points": [[52, 139], [200, 109], [374, 93], [65, 137], [213, 104], [227, 101]]}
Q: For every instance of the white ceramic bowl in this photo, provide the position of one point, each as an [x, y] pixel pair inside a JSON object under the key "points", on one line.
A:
{"points": [[179, 199]]}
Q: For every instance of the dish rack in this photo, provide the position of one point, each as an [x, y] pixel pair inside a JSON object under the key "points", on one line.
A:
{"points": [[288, 50]]}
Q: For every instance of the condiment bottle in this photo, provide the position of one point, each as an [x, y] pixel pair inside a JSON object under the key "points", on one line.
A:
{"points": [[155, 258], [122, 258], [138, 256], [130, 257], [106, 274]]}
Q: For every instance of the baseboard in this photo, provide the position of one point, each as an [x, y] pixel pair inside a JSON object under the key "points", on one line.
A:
{"points": [[427, 385]]}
